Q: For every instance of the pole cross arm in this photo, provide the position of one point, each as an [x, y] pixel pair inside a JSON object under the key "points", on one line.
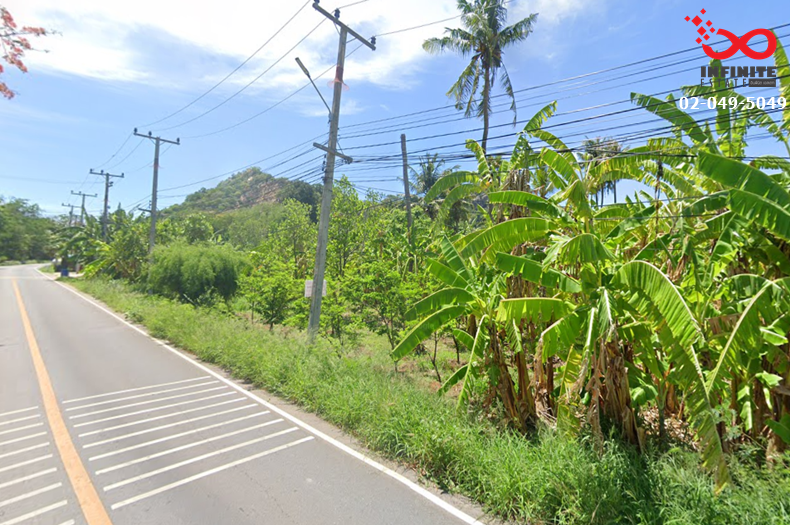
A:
{"points": [[177, 142], [344, 26], [327, 150], [83, 194], [104, 174]]}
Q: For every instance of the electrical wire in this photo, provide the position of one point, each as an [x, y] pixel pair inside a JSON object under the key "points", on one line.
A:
{"points": [[226, 77], [116, 151], [250, 83], [269, 108]]}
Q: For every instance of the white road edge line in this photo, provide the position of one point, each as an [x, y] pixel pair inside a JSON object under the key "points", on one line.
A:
{"points": [[28, 495], [25, 463], [141, 403], [184, 447], [182, 434], [35, 513], [23, 450], [154, 429], [195, 459], [433, 498], [17, 411], [157, 418], [21, 428], [27, 478], [138, 396], [133, 390], [23, 438], [207, 473], [70, 522], [155, 409]]}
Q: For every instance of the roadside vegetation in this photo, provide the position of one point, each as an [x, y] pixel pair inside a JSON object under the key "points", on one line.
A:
{"points": [[545, 477], [556, 354], [25, 234]]}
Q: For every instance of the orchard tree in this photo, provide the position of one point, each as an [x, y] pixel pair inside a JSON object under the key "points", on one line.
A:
{"points": [[14, 42]]}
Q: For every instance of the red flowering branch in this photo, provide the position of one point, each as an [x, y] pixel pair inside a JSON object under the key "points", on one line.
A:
{"points": [[14, 44]]}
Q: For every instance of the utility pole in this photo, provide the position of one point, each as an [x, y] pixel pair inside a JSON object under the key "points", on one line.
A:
{"points": [[406, 192], [157, 142], [107, 184], [82, 208], [71, 212], [331, 153]]}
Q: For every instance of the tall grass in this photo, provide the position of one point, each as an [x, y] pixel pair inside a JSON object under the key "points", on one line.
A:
{"points": [[544, 479]]}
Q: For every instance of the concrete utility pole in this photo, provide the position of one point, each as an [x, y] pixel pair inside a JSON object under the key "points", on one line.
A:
{"points": [[331, 150], [107, 184], [406, 191], [71, 212], [82, 208], [157, 142]]}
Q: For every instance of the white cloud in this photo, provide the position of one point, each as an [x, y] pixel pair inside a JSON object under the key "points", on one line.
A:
{"points": [[118, 40]]}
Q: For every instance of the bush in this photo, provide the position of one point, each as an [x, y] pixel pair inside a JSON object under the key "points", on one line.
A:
{"points": [[198, 274]]}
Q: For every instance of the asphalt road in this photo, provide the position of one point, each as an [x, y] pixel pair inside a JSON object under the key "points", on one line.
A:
{"points": [[109, 426]]}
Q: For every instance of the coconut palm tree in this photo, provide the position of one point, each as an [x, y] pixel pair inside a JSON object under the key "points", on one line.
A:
{"points": [[431, 169], [484, 36]]}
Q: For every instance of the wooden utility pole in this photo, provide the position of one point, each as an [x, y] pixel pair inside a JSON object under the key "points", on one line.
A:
{"points": [[105, 213], [82, 207], [71, 212], [331, 154], [157, 142], [406, 191]]}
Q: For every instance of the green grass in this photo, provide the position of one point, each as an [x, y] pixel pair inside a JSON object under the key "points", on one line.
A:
{"points": [[545, 479]]}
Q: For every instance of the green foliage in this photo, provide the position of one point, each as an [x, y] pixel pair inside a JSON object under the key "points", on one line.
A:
{"points": [[196, 273], [24, 233], [382, 296], [269, 287], [344, 230]]}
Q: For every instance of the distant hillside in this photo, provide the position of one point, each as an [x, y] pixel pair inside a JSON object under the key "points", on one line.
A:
{"points": [[245, 190]]}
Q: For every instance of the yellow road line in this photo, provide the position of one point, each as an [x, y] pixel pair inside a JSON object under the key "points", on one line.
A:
{"points": [[88, 497]]}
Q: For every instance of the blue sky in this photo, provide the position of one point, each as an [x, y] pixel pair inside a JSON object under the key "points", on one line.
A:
{"points": [[119, 65]]}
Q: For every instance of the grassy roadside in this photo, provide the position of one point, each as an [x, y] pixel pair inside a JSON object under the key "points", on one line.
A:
{"points": [[546, 479]]}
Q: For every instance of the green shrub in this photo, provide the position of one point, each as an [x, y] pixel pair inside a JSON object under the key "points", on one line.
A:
{"points": [[199, 274]]}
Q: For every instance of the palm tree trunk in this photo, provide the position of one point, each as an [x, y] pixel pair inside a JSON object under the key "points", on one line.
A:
{"points": [[486, 99]]}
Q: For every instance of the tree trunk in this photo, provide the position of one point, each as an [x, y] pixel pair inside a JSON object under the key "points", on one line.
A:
{"points": [[433, 359], [457, 350], [486, 99]]}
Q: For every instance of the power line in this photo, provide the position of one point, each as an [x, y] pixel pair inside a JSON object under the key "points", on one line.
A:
{"points": [[234, 95], [127, 155], [129, 136], [395, 32], [549, 97], [553, 83], [271, 107], [215, 86], [545, 127]]}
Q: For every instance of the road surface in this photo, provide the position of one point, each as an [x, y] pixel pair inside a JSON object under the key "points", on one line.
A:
{"points": [[99, 424]]}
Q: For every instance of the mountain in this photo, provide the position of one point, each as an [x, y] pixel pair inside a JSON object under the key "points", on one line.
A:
{"points": [[246, 189]]}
